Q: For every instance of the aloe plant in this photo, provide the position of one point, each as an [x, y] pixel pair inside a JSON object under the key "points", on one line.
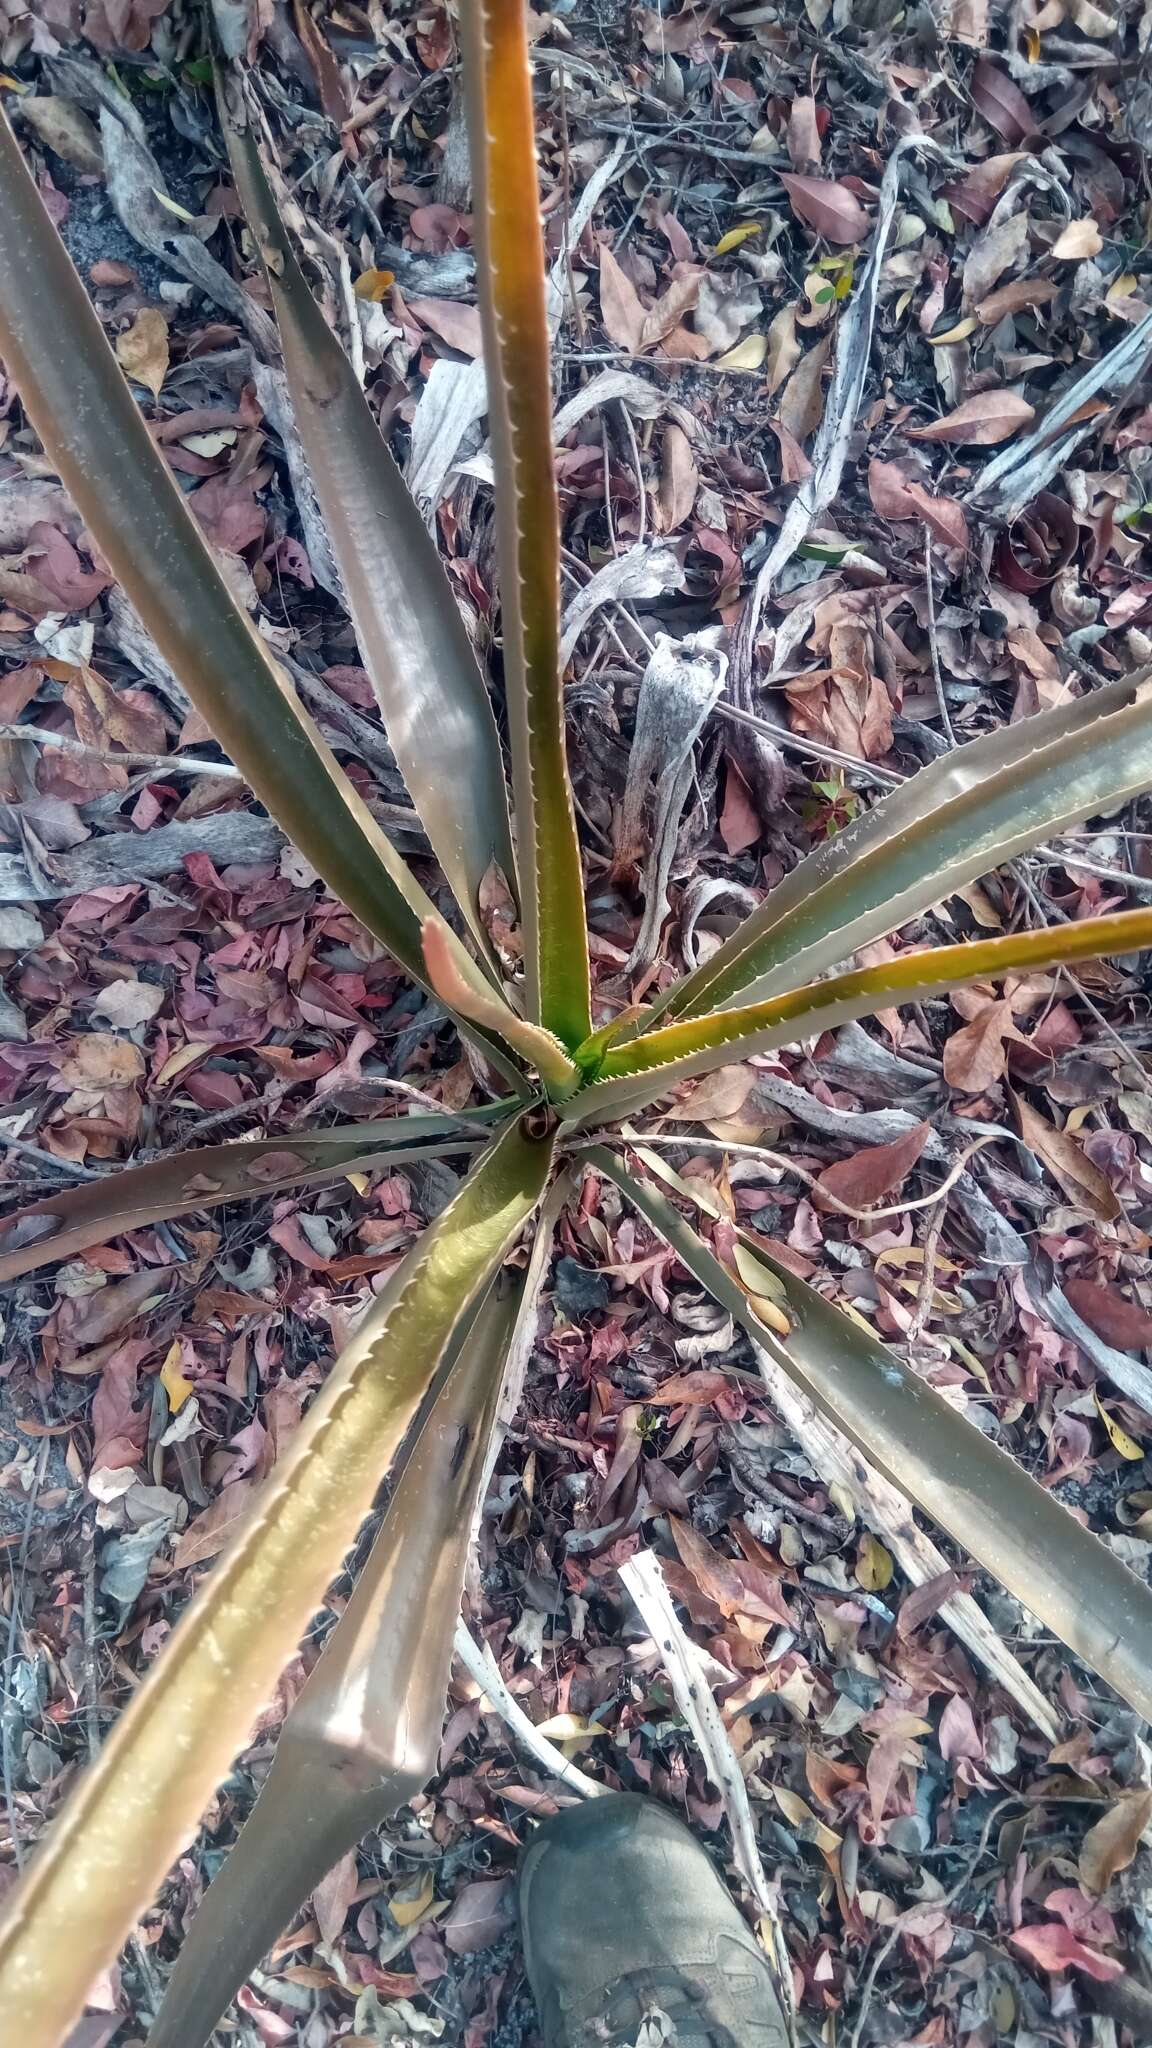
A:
{"points": [[416, 1389]]}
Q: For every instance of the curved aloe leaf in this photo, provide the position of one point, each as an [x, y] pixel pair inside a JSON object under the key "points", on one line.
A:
{"points": [[71, 385], [363, 1735], [410, 633], [1054, 1566], [506, 192], [69, 1222], [538, 1046], [136, 1805], [646, 1068], [952, 822]]}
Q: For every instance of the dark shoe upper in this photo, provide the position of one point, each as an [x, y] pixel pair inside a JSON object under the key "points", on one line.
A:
{"points": [[631, 1940]]}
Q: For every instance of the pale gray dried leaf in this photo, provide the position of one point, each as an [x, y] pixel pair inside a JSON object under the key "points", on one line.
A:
{"points": [[20, 929], [64, 129], [678, 689], [127, 1003], [727, 305], [641, 572]]}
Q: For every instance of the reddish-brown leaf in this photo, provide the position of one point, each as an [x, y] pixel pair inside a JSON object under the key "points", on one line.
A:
{"points": [[979, 422], [897, 496], [480, 1914], [827, 206], [866, 1176], [975, 1056], [1002, 103], [1055, 1948], [1112, 1316], [736, 1586]]}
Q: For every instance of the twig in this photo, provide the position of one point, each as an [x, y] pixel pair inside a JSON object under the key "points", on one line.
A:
{"points": [[69, 1169], [812, 750], [694, 1697], [811, 1180], [479, 1662], [188, 764]]}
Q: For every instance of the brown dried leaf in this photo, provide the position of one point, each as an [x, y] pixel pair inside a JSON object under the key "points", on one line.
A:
{"points": [[803, 135], [1082, 1182], [826, 205], [1112, 1316], [333, 1896], [897, 496], [620, 308], [866, 1176], [1080, 239], [1111, 1845], [1015, 297], [143, 351], [802, 405], [736, 1586], [679, 480], [100, 1061], [784, 349], [979, 422], [1002, 103], [65, 130], [975, 1056]]}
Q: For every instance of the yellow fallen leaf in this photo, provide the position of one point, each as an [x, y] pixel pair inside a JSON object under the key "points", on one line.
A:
{"points": [[873, 1565], [735, 236], [359, 1181], [173, 206], [765, 1291], [374, 285], [960, 332], [407, 1911], [172, 1379], [571, 1730], [185, 1056], [143, 351], [748, 354], [1121, 287], [1119, 1437]]}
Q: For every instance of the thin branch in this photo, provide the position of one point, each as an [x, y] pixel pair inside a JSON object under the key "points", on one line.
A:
{"points": [[481, 1665]]}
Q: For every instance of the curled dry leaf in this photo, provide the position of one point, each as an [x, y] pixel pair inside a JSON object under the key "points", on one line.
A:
{"points": [[1112, 1843], [826, 205], [979, 422]]}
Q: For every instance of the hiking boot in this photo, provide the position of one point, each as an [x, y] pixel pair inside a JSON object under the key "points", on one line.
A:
{"points": [[631, 1940]]}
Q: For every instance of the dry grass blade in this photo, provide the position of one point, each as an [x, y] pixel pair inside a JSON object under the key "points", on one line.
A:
{"points": [[140, 1801], [363, 1734], [516, 355]]}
